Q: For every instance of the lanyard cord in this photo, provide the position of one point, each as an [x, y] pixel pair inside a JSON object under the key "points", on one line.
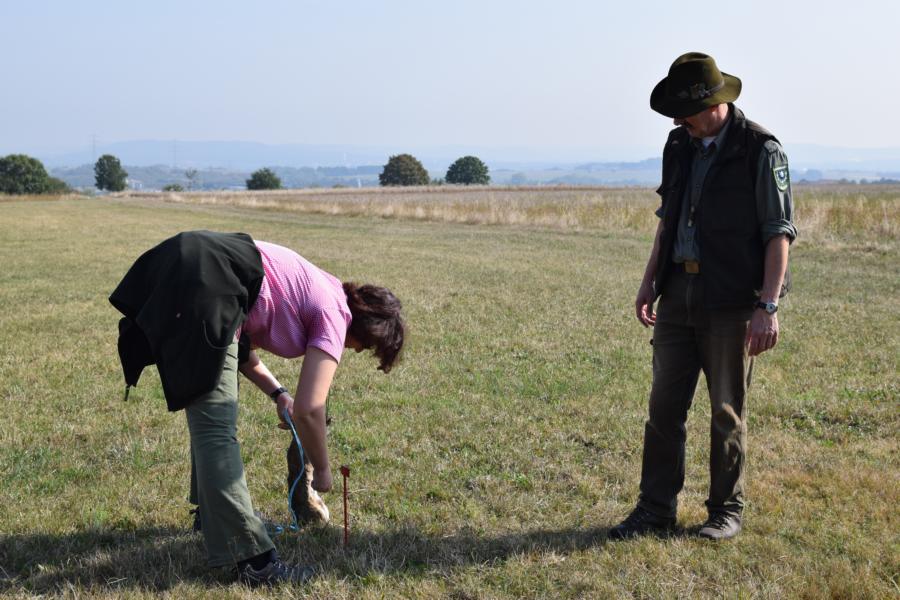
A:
{"points": [[287, 418]]}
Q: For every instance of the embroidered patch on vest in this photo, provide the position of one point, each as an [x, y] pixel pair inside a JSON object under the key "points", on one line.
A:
{"points": [[782, 179]]}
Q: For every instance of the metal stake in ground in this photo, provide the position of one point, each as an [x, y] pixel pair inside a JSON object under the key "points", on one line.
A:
{"points": [[345, 471]]}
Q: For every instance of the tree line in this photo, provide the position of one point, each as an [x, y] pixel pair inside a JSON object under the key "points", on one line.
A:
{"points": [[22, 174], [400, 170]]}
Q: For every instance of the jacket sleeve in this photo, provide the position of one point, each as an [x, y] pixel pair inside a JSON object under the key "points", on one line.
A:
{"points": [[774, 204]]}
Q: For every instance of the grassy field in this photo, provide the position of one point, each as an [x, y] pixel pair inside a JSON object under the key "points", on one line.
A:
{"points": [[493, 460], [853, 213]]}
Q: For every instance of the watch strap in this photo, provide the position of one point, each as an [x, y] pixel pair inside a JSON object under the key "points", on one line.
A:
{"points": [[275, 393]]}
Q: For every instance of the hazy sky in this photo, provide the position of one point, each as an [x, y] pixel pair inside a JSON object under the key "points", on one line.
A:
{"points": [[537, 74]]}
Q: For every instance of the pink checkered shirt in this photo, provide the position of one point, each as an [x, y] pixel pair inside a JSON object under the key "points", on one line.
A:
{"points": [[299, 305]]}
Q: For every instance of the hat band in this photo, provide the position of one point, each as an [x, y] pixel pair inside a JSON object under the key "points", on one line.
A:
{"points": [[699, 91]]}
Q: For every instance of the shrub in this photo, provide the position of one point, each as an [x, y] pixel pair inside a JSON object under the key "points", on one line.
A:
{"points": [[57, 186], [468, 170], [403, 169], [173, 187], [264, 179]]}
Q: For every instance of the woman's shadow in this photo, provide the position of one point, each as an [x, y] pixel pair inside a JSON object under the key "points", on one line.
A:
{"points": [[158, 559], [150, 558]]}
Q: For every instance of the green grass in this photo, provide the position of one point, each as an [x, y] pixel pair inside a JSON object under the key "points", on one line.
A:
{"points": [[492, 461]]}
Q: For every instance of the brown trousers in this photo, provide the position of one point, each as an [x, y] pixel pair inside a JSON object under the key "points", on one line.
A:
{"points": [[688, 339]]}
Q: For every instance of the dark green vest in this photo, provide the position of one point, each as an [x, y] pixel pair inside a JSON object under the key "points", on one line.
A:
{"points": [[728, 228]]}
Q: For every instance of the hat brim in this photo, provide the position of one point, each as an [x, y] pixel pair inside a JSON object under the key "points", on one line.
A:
{"points": [[679, 109]]}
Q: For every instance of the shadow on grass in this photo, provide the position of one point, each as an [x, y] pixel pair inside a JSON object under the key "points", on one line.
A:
{"points": [[158, 559], [151, 558], [409, 552]]}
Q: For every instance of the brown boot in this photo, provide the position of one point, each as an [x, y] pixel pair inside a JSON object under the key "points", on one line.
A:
{"points": [[306, 503]]}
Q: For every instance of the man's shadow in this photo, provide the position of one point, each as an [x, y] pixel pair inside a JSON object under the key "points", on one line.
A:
{"points": [[158, 559]]}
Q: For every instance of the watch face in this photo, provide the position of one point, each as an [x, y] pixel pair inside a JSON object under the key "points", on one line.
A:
{"points": [[769, 307]]}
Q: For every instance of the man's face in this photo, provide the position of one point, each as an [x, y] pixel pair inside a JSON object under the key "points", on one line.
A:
{"points": [[701, 125]]}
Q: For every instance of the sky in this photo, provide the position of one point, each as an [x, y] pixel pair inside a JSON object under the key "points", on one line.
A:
{"points": [[553, 76]]}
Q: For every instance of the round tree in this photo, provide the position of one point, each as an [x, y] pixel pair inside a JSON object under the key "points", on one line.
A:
{"points": [[403, 169], [264, 179], [21, 174], [109, 174], [468, 170]]}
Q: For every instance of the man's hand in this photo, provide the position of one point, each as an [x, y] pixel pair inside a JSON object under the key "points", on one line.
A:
{"points": [[762, 334], [321, 481], [643, 305], [285, 401]]}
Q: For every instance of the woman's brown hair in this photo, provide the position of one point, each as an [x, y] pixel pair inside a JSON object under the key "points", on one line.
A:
{"points": [[377, 322]]}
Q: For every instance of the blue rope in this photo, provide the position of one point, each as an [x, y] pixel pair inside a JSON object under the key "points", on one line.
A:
{"points": [[287, 418]]}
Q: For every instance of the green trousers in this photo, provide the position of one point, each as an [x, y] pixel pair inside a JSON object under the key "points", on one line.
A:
{"points": [[231, 530]]}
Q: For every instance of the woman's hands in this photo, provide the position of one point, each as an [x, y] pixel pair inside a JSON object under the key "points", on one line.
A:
{"points": [[321, 481], [284, 402], [306, 408]]}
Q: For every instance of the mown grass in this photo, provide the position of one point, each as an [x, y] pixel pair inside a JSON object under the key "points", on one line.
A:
{"points": [[491, 463]]}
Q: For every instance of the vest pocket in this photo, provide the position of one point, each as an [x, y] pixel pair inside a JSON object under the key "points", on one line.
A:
{"points": [[220, 322]]}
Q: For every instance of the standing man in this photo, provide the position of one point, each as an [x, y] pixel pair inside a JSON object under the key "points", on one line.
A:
{"points": [[719, 267]]}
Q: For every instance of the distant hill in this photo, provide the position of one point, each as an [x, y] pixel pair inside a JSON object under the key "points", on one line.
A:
{"points": [[227, 165], [157, 176], [644, 174], [248, 156], [237, 156]]}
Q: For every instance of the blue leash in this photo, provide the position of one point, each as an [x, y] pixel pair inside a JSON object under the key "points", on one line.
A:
{"points": [[287, 418]]}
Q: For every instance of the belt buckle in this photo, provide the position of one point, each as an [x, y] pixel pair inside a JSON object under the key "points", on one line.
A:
{"points": [[692, 267]]}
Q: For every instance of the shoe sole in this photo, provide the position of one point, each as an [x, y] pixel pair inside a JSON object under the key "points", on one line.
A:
{"points": [[717, 538]]}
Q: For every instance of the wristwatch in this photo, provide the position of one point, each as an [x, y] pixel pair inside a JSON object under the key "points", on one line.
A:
{"points": [[274, 395], [769, 307]]}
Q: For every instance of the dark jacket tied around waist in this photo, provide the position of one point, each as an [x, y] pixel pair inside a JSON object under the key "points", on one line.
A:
{"points": [[183, 301], [729, 232]]}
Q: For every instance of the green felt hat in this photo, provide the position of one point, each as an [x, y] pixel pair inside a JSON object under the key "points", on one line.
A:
{"points": [[694, 83]]}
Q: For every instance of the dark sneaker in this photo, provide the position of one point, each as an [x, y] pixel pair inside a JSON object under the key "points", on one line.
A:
{"points": [[274, 573], [641, 522], [721, 526]]}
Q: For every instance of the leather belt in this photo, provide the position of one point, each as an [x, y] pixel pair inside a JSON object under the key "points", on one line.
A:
{"points": [[692, 267]]}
